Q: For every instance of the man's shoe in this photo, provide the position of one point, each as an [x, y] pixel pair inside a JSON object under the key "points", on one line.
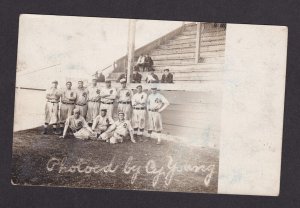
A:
{"points": [[45, 131]]}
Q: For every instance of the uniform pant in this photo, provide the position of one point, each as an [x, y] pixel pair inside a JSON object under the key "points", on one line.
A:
{"points": [[154, 121], [66, 110], [92, 111], [84, 134], [138, 119], [82, 109], [126, 109], [51, 113], [108, 107], [113, 137]]}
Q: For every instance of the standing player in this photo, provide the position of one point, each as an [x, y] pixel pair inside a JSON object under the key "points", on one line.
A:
{"points": [[102, 122], [51, 108], [81, 99], [93, 102], [68, 97], [139, 101], [108, 95], [124, 96], [118, 131], [156, 103]]}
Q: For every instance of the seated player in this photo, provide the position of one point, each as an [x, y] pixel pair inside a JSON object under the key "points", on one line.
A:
{"points": [[78, 126], [118, 131], [102, 122]]}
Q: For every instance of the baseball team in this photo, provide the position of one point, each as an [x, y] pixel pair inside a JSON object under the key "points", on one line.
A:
{"points": [[87, 112]]}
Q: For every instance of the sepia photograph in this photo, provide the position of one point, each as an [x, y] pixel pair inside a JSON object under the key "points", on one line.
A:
{"points": [[135, 104], [118, 103]]}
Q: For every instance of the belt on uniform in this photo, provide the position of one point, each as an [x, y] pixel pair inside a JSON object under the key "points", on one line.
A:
{"points": [[120, 135], [93, 101], [80, 104], [51, 101], [107, 103], [128, 102], [67, 103], [139, 108], [153, 110]]}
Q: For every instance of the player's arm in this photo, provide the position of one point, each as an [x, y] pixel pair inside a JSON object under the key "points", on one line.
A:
{"points": [[95, 122], [130, 129], [111, 128], [148, 103], [165, 104], [65, 129]]}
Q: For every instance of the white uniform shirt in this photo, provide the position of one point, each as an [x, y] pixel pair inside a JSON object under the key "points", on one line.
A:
{"points": [[156, 101], [81, 96], [76, 123], [122, 127], [53, 95], [102, 121], [112, 92], [124, 95], [139, 100], [68, 96], [94, 94]]}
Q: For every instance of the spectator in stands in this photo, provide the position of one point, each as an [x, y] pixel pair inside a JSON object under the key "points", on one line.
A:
{"points": [[148, 62], [152, 78], [100, 77], [141, 62], [167, 77], [136, 76]]}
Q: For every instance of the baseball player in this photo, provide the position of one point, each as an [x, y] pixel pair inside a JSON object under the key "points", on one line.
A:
{"points": [[93, 102], [68, 97], [102, 122], [117, 132], [81, 99], [79, 127], [108, 95], [124, 96], [156, 103], [139, 102], [51, 108]]}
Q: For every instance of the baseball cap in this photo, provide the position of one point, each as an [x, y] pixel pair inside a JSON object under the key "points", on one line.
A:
{"points": [[107, 81], [104, 110], [76, 110], [123, 80], [139, 86], [55, 81]]}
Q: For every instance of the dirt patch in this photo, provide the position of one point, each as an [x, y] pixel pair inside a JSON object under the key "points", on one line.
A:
{"points": [[48, 161]]}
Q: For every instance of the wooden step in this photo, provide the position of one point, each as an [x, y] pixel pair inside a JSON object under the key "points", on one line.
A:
{"points": [[173, 56], [183, 37], [190, 67], [189, 40], [206, 54], [220, 60], [212, 48], [204, 33], [213, 38], [172, 51], [178, 46], [172, 62]]}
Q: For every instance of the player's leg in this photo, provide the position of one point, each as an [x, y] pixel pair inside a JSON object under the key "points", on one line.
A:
{"points": [[53, 108], [158, 127], [47, 119], [150, 124], [89, 113], [141, 124]]}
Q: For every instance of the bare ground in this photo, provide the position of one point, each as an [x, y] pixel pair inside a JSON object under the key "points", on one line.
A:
{"points": [[145, 160]]}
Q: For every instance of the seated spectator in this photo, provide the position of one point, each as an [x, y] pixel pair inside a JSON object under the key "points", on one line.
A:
{"points": [[122, 76], [148, 63], [167, 77], [100, 77], [152, 78], [141, 62], [136, 76]]}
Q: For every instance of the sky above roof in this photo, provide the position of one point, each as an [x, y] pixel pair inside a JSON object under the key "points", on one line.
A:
{"points": [[80, 43]]}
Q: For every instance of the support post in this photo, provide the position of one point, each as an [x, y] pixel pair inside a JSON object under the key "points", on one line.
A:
{"points": [[130, 48], [198, 38]]}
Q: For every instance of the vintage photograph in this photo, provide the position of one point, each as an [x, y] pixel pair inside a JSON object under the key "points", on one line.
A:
{"points": [[110, 103]]}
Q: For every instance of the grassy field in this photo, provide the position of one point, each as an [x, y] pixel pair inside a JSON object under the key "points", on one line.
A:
{"points": [[48, 161]]}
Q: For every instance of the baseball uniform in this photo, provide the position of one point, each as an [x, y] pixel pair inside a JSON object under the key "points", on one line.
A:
{"points": [[124, 102], [79, 127], [139, 101], [67, 106], [81, 101], [52, 105], [154, 103], [101, 123], [108, 102], [93, 103], [120, 131]]}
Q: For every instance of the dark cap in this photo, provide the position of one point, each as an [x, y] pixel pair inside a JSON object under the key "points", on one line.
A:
{"points": [[107, 81]]}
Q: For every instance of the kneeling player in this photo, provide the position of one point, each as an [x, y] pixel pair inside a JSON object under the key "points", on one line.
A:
{"points": [[118, 131], [156, 103], [102, 122], [79, 127]]}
